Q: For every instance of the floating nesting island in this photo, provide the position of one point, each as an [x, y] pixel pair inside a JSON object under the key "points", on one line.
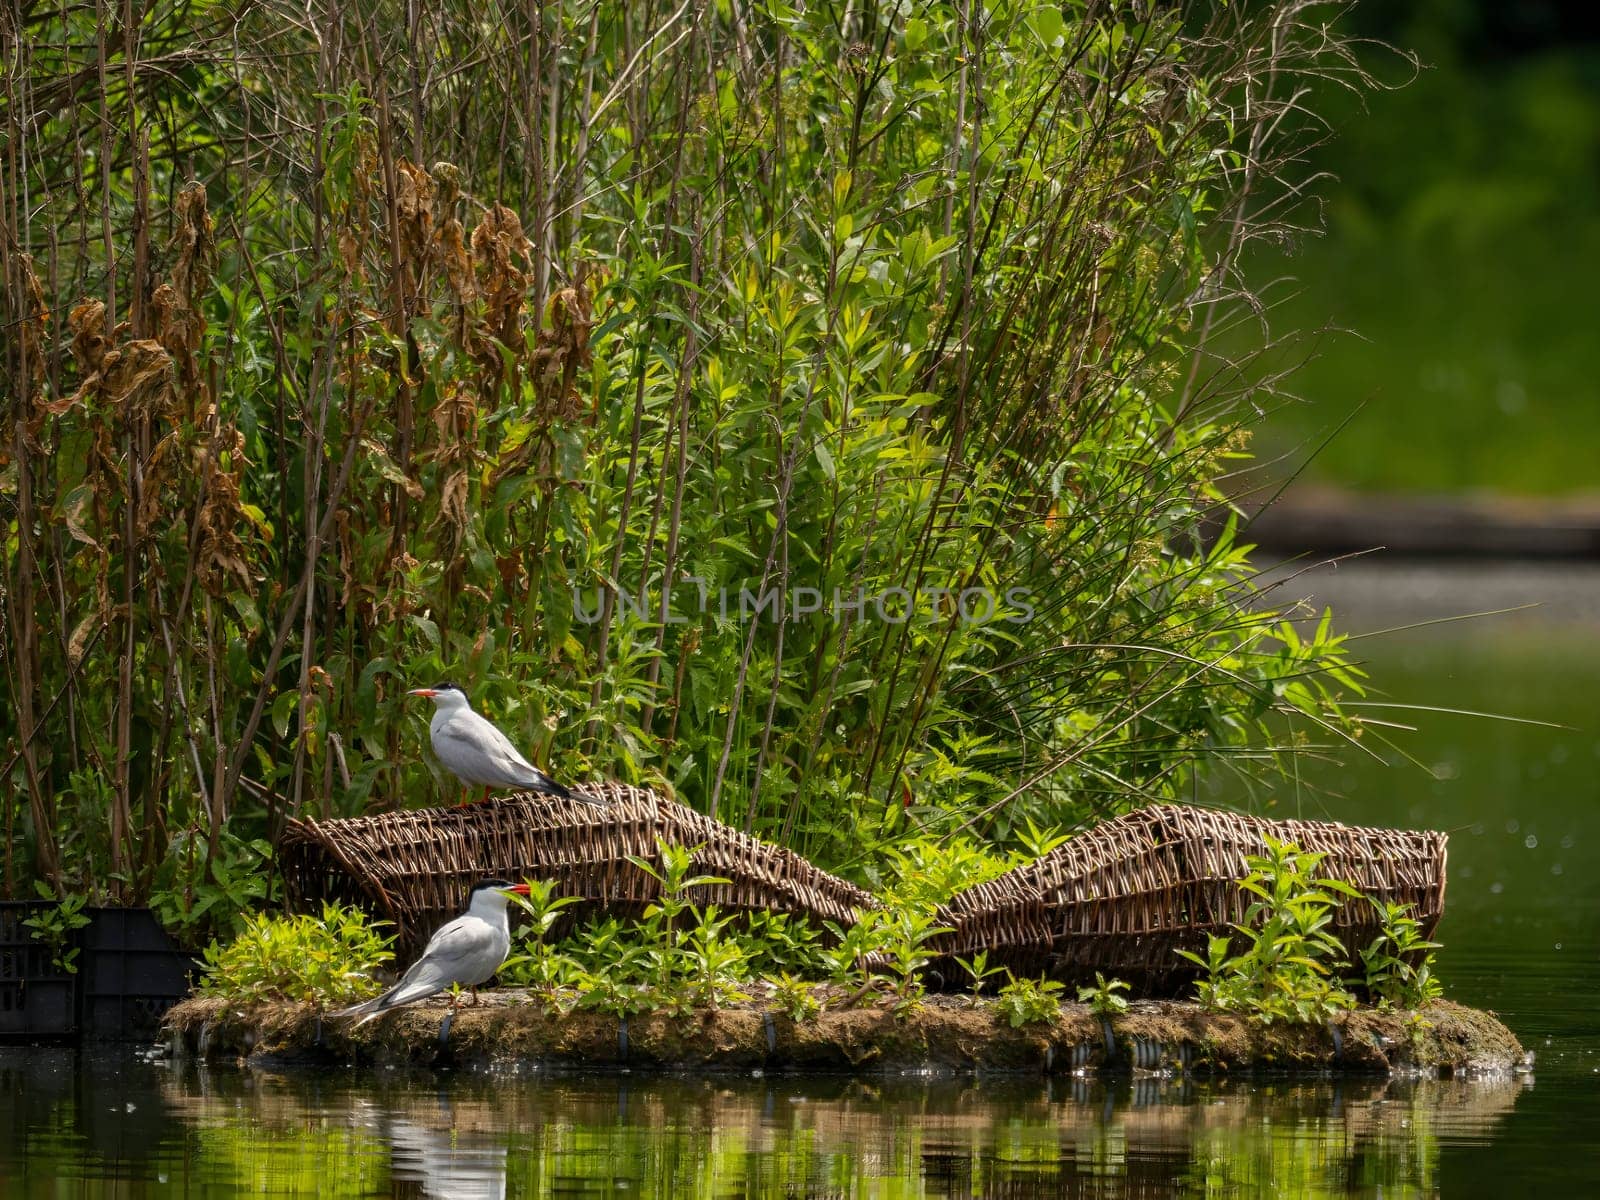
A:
{"points": [[945, 1034], [1139, 898]]}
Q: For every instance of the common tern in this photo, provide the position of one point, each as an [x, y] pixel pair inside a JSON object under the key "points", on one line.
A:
{"points": [[477, 753], [464, 952]]}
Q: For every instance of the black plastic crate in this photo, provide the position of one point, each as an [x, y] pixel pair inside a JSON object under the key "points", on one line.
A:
{"points": [[130, 972], [38, 1000]]}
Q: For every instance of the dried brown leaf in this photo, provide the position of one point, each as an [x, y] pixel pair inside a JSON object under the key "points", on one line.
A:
{"points": [[137, 378], [381, 461], [455, 416], [76, 511], [222, 559], [453, 501], [502, 254], [82, 634], [414, 209], [35, 317], [563, 350], [350, 252], [195, 245], [88, 324], [155, 477]]}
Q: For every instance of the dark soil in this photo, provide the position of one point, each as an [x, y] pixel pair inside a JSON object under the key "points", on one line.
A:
{"points": [[943, 1034]]}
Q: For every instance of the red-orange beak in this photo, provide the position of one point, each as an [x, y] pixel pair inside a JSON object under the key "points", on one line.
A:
{"points": [[520, 889], [428, 692]]}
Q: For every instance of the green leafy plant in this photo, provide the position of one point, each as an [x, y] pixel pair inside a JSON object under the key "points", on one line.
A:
{"points": [[57, 925], [1029, 1001], [1102, 997], [663, 925], [1286, 968], [199, 894], [852, 961], [905, 952], [775, 943], [1416, 1026], [1398, 963], [795, 998], [1216, 988], [921, 872], [1033, 842], [979, 971], [611, 969], [714, 964], [326, 959], [535, 964]]}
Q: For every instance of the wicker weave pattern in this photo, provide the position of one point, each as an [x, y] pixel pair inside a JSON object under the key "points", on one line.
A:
{"points": [[413, 868], [1125, 896]]}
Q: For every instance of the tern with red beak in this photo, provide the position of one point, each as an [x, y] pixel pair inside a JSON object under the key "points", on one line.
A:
{"points": [[477, 753], [465, 952]]}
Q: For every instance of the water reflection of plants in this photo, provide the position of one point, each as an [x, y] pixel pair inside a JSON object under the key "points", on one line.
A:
{"points": [[686, 1138], [324, 1157]]}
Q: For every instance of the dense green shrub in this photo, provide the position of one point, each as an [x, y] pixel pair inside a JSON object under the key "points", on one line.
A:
{"points": [[811, 410], [326, 960], [1285, 963]]}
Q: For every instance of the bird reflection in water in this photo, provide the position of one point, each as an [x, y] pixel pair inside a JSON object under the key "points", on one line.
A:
{"points": [[431, 1156]]}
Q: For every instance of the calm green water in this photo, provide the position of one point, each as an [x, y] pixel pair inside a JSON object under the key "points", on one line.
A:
{"points": [[106, 1128], [1522, 913], [1522, 935]]}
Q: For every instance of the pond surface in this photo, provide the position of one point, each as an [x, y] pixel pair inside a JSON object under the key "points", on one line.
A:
{"points": [[1522, 935], [1521, 930], [115, 1127]]}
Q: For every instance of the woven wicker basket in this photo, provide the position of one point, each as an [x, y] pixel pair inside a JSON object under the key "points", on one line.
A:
{"points": [[415, 868], [1124, 897]]}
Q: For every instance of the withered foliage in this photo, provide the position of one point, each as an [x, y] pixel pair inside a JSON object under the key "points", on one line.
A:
{"points": [[159, 496], [33, 330], [455, 417], [451, 248], [222, 557], [501, 256], [563, 350], [175, 305]]}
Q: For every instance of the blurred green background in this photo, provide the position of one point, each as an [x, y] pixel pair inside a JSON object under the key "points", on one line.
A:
{"points": [[1462, 253]]}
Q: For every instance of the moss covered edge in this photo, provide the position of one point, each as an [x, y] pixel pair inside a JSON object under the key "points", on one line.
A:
{"points": [[941, 1035]]}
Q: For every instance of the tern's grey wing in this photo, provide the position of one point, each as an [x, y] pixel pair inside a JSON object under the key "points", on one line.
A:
{"points": [[466, 951], [478, 753]]}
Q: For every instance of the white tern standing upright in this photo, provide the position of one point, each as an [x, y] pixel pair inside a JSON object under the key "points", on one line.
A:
{"points": [[477, 753]]}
